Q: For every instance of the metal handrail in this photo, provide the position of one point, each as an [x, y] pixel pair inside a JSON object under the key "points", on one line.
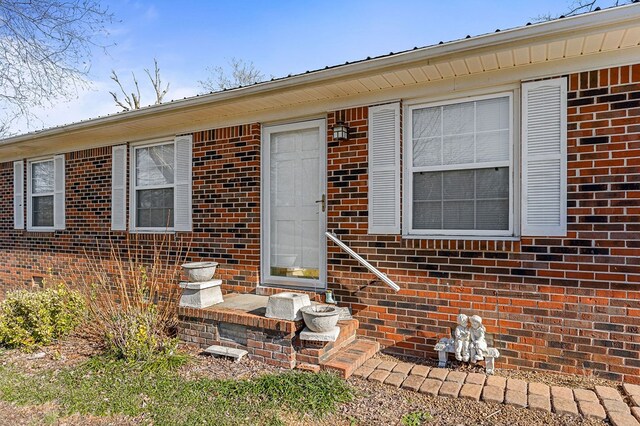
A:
{"points": [[363, 262]]}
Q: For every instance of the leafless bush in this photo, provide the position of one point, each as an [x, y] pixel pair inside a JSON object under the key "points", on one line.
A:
{"points": [[132, 296]]}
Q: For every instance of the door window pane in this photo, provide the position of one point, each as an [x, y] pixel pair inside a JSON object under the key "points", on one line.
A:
{"points": [[294, 226]]}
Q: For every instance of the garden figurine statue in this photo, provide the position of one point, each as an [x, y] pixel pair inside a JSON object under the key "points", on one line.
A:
{"points": [[478, 347], [461, 338], [468, 343]]}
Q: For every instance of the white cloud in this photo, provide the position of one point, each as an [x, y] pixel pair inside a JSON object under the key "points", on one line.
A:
{"points": [[90, 104]]}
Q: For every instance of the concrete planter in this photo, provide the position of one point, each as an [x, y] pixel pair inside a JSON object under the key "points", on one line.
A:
{"points": [[287, 305], [201, 295], [198, 272], [320, 318]]}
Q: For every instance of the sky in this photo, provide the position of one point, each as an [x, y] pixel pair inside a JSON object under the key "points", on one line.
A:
{"points": [[279, 37]]}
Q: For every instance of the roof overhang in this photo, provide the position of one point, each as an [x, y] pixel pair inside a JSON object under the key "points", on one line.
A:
{"points": [[595, 40]]}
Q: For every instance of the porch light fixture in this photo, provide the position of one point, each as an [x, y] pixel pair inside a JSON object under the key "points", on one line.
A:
{"points": [[340, 131]]}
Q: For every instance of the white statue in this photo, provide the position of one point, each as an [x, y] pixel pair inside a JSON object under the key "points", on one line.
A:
{"points": [[461, 337], [478, 347], [468, 344]]}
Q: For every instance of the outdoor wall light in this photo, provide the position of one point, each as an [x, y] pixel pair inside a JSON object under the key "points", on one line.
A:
{"points": [[340, 131]]}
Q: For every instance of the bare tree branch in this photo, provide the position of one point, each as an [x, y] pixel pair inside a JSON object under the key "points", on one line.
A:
{"points": [[157, 83], [129, 102], [45, 51], [577, 7], [132, 101], [242, 74]]}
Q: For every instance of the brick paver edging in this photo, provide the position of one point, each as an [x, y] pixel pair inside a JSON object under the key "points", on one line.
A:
{"points": [[605, 402]]}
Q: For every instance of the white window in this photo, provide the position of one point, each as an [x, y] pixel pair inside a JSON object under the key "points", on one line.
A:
{"points": [[45, 192], [459, 168], [153, 186]]}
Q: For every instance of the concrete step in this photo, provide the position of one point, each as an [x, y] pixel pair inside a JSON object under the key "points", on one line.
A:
{"points": [[236, 354], [349, 358], [316, 352]]}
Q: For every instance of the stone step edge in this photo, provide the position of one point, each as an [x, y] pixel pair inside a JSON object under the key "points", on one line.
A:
{"points": [[342, 341], [331, 364]]}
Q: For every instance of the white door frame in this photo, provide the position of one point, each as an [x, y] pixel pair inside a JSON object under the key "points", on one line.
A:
{"points": [[265, 202]]}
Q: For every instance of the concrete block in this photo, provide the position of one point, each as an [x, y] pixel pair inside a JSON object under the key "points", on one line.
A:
{"points": [[325, 336], [234, 353], [287, 305], [201, 295]]}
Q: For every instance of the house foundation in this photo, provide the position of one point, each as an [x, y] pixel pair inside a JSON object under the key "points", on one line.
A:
{"points": [[240, 322]]}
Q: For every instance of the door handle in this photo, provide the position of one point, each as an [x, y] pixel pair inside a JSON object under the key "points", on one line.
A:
{"points": [[323, 200]]}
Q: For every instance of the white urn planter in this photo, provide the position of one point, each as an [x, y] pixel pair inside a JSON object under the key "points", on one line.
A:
{"points": [[320, 318], [201, 290], [198, 272]]}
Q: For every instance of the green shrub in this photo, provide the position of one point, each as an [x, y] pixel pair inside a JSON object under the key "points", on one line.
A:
{"points": [[32, 318], [138, 334]]}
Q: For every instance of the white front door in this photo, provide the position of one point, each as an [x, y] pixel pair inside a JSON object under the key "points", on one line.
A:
{"points": [[294, 205]]}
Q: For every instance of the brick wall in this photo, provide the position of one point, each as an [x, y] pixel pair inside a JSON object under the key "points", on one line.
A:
{"points": [[226, 220], [563, 304]]}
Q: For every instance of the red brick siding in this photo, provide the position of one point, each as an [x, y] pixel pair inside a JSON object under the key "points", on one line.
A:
{"points": [[226, 197], [226, 203], [565, 304]]}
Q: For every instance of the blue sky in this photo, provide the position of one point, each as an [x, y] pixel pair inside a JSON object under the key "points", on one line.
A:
{"points": [[280, 37]]}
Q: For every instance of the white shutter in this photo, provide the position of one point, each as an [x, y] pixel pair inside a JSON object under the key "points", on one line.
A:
{"points": [[118, 188], [384, 169], [182, 191], [18, 195], [544, 158], [58, 192]]}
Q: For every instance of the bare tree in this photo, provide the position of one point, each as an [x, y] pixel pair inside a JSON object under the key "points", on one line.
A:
{"points": [[45, 52], [131, 101], [242, 74], [577, 7]]}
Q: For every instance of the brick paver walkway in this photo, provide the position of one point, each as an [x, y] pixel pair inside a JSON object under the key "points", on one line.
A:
{"points": [[605, 402]]}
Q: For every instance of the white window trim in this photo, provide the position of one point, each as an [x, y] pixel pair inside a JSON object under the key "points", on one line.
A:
{"points": [[408, 171], [133, 228], [30, 196]]}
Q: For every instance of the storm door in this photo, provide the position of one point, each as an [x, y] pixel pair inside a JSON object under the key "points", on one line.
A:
{"points": [[294, 205]]}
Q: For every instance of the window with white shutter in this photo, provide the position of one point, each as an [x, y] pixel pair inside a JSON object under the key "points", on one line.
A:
{"points": [[18, 194], [183, 183], [58, 193], [46, 194], [384, 169], [459, 168], [118, 188], [160, 188], [544, 158]]}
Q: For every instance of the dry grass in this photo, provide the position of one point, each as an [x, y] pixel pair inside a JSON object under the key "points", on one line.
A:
{"points": [[132, 295]]}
